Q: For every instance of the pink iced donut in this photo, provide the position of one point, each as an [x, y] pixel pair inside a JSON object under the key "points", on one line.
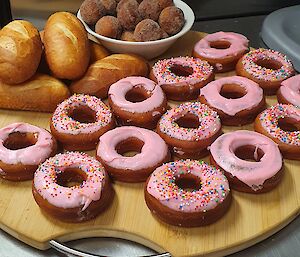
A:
{"points": [[137, 101], [237, 100], [182, 77], [207, 200], [91, 195], [289, 92], [79, 121], [151, 150], [22, 148], [221, 49], [266, 67], [231, 151]]}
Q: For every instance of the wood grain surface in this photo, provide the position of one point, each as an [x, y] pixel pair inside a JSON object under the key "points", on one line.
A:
{"points": [[251, 218]]}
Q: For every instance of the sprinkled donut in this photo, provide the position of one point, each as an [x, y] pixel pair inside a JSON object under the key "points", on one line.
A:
{"points": [[289, 92], [221, 49], [189, 129], [153, 152], [237, 100], [22, 148], [266, 67], [82, 201], [182, 77], [187, 193], [79, 121], [137, 101], [281, 123], [231, 152]]}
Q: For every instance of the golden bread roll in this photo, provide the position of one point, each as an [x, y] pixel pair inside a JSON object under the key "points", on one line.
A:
{"points": [[98, 52], [41, 93], [101, 74], [66, 46], [20, 51]]}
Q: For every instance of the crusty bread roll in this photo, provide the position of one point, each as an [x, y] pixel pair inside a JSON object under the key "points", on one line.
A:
{"points": [[66, 46], [98, 52], [107, 71], [41, 93], [20, 51]]}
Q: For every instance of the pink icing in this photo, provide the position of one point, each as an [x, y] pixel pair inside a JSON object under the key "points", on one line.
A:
{"points": [[208, 119], [214, 186], [211, 92], [153, 151], [290, 90], [31, 155], [238, 44], [252, 174], [65, 124], [162, 71], [118, 91], [70, 197]]}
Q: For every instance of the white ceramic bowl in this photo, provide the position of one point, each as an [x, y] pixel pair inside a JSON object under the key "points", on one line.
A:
{"points": [[149, 49]]}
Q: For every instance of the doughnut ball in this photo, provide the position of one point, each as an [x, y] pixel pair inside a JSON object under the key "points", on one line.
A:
{"points": [[171, 20], [128, 14], [147, 30], [150, 9], [165, 3], [128, 36], [109, 6], [109, 26], [91, 11]]}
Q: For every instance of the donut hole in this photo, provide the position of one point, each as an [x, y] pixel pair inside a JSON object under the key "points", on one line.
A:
{"points": [[249, 153], [269, 64], [232, 91], [130, 147], [20, 140], [220, 44], [181, 71], [189, 120], [83, 114], [188, 182], [137, 94], [288, 124], [71, 177]]}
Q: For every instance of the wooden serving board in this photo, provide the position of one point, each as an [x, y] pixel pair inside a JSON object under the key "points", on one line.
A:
{"points": [[251, 218]]}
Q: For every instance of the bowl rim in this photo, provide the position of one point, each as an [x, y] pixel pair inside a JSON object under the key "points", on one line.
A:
{"points": [[188, 15]]}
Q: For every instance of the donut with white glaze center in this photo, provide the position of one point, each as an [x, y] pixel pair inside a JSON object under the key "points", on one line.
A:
{"points": [[189, 129], [22, 148], [137, 101], [151, 150], [79, 121], [90, 193], [289, 92], [232, 153], [236, 99], [187, 193], [281, 123], [182, 77], [221, 49]]}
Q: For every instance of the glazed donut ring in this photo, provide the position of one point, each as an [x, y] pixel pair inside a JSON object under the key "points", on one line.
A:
{"points": [[76, 203], [153, 153], [22, 148], [236, 99], [281, 123], [124, 98], [266, 67], [289, 92], [167, 198], [230, 153]]}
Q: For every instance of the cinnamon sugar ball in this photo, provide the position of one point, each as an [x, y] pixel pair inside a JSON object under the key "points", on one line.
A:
{"points": [[128, 14], [165, 3], [149, 9], [91, 11], [171, 20], [128, 36], [109, 6], [147, 30], [109, 26]]}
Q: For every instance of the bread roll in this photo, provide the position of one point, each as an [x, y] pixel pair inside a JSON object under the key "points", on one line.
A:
{"points": [[20, 51], [66, 46], [98, 52], [107, 71], [41, 93]]}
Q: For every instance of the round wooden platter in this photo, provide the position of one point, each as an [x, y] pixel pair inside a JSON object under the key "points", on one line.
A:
{"points": [[251, 218]]}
